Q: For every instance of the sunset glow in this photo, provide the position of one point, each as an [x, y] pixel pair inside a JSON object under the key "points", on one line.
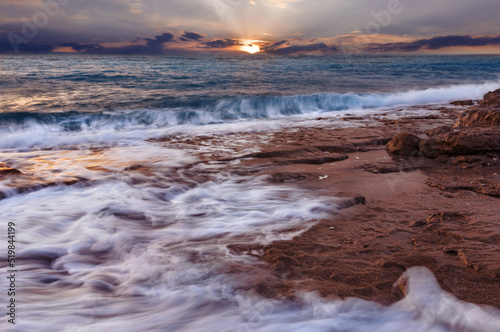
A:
{"points": [[252, 48]]}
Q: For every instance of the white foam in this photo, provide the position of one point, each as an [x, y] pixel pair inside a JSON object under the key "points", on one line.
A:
{"points": [[139, 242]]}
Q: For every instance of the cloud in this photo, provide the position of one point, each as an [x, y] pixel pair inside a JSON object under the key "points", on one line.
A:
{"points": [[6, 47], [49, 40], [192, 36], [222, 43], [158, 41], [282, 3], [296, 48], [83, 47], [276, 45], [435, 43]]}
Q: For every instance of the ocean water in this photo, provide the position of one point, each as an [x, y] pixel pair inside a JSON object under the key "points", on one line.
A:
{"points": [[141, 242]]}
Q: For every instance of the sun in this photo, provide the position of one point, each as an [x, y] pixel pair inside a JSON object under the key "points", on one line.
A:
{"points": [[250, 48]]}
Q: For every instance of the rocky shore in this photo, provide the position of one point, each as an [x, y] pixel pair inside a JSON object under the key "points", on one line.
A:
{"points": [[418, 191]]}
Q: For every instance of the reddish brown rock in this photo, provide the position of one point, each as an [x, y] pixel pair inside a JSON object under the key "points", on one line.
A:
{"points": [[403, 144], [491, 99], [462, 103], [469, 141], [439, 130], [479, 118]]}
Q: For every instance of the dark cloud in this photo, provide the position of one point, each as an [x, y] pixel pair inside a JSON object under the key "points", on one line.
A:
{"points": [[192, 36], [7, 47], [222, 43], [158, 41], [298, 48], [435, 43], [83, 47], [274, 46], [153, 46]]}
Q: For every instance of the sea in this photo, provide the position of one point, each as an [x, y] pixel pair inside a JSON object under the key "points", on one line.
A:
{"points": [[115, 228]]}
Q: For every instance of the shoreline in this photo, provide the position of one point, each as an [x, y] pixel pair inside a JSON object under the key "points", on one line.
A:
{"points": [[389, 212]]}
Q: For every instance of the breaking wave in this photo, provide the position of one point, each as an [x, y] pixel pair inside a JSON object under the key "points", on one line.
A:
{"points": [[217, 110]]}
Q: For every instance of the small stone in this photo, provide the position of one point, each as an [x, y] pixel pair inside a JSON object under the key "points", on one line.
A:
{"points": [[360, 200]]}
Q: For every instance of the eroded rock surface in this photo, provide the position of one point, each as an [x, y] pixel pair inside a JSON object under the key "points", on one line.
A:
{"points": [[403, 144], [468, 141], [479, 118], [491, 99]]}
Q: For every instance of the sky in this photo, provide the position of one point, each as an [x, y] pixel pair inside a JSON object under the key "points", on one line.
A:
{"points": [[270, 26]]}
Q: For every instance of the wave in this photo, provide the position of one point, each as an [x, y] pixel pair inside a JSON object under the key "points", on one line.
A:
{"points": [[170, 112], [272, 106]]}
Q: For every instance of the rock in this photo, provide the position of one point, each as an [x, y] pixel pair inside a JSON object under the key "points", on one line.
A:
{"points": [[315, 160], [417, 223], [491, 99], [479, 118], [466, 160], [6, 170], [469, 141], [403, 144], [286, 177], [443, 159], [350, 202], [315, 155], [360, 199], [439, 130], [447, 218], [462, 103]]}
